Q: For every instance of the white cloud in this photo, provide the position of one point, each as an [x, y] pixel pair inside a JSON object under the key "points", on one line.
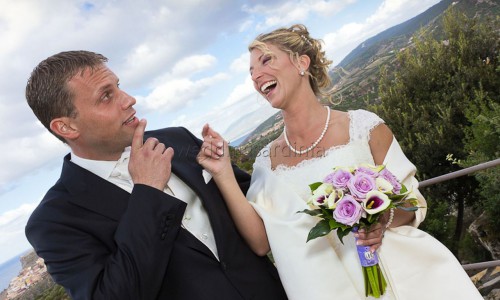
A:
{"points": [[176, 93], [340, 43], [329, 8], [280, 13], [12, 237], [193, 64], [146, 61], [25, 154], [241, 64], [251, 110], [242, 111], [240, 92]]}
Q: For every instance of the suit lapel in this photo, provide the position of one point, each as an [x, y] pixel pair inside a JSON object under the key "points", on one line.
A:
{"points": [[185, 166], [92, 192]]}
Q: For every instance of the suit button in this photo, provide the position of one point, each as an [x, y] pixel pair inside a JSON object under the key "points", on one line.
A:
{"points": [[223, 265], [163, 235]]}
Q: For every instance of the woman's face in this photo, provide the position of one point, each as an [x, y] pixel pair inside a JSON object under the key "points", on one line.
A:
{"points": [[274, 75]]}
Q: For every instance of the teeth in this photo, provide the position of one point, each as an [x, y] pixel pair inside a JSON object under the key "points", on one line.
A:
{"points": [[266, 85], [130, 120]]}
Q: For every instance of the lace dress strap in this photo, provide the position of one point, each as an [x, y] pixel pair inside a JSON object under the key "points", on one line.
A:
{"points": [[362, 123], [263, 158]]}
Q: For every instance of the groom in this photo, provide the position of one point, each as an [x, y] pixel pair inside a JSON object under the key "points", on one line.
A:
{"points": [[133, 216]]}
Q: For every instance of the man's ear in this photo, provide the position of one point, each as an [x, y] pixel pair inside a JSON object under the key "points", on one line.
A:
{"points": [[64, 128]]}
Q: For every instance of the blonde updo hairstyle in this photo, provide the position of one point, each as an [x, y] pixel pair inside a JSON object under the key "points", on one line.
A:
{"points": [[296, 41]]}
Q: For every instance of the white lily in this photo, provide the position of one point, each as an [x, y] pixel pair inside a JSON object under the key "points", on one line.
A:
{"points": [[320, 194], [383, 185], [375, 202]]}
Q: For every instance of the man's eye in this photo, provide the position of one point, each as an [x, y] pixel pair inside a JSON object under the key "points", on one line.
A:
{"points": [[106, 96], [266, 59]]}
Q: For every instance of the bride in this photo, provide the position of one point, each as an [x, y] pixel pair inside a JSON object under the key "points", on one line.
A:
{"points": [[289, 68]]}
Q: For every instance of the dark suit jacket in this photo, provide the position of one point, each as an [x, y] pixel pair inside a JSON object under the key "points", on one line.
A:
{"points": [[100, 242]]}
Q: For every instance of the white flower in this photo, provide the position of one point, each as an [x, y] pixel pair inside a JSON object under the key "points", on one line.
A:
{"points": [[334, 197], [383, 185], [375, 202], [320, 194]]}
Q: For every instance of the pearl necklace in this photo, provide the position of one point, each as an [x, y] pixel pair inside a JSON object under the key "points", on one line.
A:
{"points": [[300, 152]]}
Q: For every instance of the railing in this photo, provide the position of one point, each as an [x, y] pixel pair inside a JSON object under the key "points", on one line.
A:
{"points": [[466, 171], [459, 173], [482, 265]]}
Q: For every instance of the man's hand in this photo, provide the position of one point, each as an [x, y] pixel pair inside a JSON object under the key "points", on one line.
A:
{"points": [[150, 161]]}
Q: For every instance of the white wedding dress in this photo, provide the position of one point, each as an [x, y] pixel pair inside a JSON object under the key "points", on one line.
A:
{"points": [[415, 265]]}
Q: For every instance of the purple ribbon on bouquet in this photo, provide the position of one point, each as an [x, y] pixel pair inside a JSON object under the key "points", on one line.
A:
{"points": [[366, 257]]}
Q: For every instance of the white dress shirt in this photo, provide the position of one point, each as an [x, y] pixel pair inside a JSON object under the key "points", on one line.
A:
{"points": [[195, 218]]}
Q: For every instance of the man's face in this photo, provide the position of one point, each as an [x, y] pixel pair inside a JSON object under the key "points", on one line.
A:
{"points": [[105, 118]]}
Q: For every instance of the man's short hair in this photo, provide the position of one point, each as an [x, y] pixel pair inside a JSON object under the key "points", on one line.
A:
{"points": [[47, 91]]}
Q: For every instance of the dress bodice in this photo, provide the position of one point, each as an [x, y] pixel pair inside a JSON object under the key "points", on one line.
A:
{"points": [[356, 151]]}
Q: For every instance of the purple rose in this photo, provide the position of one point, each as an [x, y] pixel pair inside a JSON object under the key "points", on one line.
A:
{"points": [[339, 178], [360, 184], [367, 171], [348, 211], [387, 175]]}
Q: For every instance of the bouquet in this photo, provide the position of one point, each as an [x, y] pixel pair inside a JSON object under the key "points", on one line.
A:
{"points": [[351, 198]]}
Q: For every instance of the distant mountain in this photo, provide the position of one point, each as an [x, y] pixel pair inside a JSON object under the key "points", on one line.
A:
{"points": [[356, 77], [397, 36], [247, 121]]}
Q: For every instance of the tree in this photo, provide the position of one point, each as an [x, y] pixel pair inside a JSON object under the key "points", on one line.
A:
{"points": [[426, 99], [483, 144]]}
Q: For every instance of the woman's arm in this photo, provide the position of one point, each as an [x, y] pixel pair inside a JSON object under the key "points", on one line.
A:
{"points": [[214, 157], [381, 139]]}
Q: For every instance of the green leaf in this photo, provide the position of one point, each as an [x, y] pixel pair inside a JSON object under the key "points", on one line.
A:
{"points": [[334, 224], [314, 186], [372, 218], [398, 197], [322, 228], [341, 232], [311, 212], [327, 213], [413, 208]]}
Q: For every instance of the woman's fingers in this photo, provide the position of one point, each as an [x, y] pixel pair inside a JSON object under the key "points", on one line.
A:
{"points": [[371, 236]]}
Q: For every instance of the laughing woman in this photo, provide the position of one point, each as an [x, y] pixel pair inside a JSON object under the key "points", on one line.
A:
{"points": [[289, 68]]}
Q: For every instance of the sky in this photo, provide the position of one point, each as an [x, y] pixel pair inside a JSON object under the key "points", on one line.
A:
{"points": [[186, 62]]}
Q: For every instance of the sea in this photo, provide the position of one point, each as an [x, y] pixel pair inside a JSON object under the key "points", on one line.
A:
{"points": [[9, 270], [239, 140]]}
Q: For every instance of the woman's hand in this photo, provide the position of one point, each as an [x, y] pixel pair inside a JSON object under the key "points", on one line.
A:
{"points": [[373, 236], [214, 153], [214, 157]]}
